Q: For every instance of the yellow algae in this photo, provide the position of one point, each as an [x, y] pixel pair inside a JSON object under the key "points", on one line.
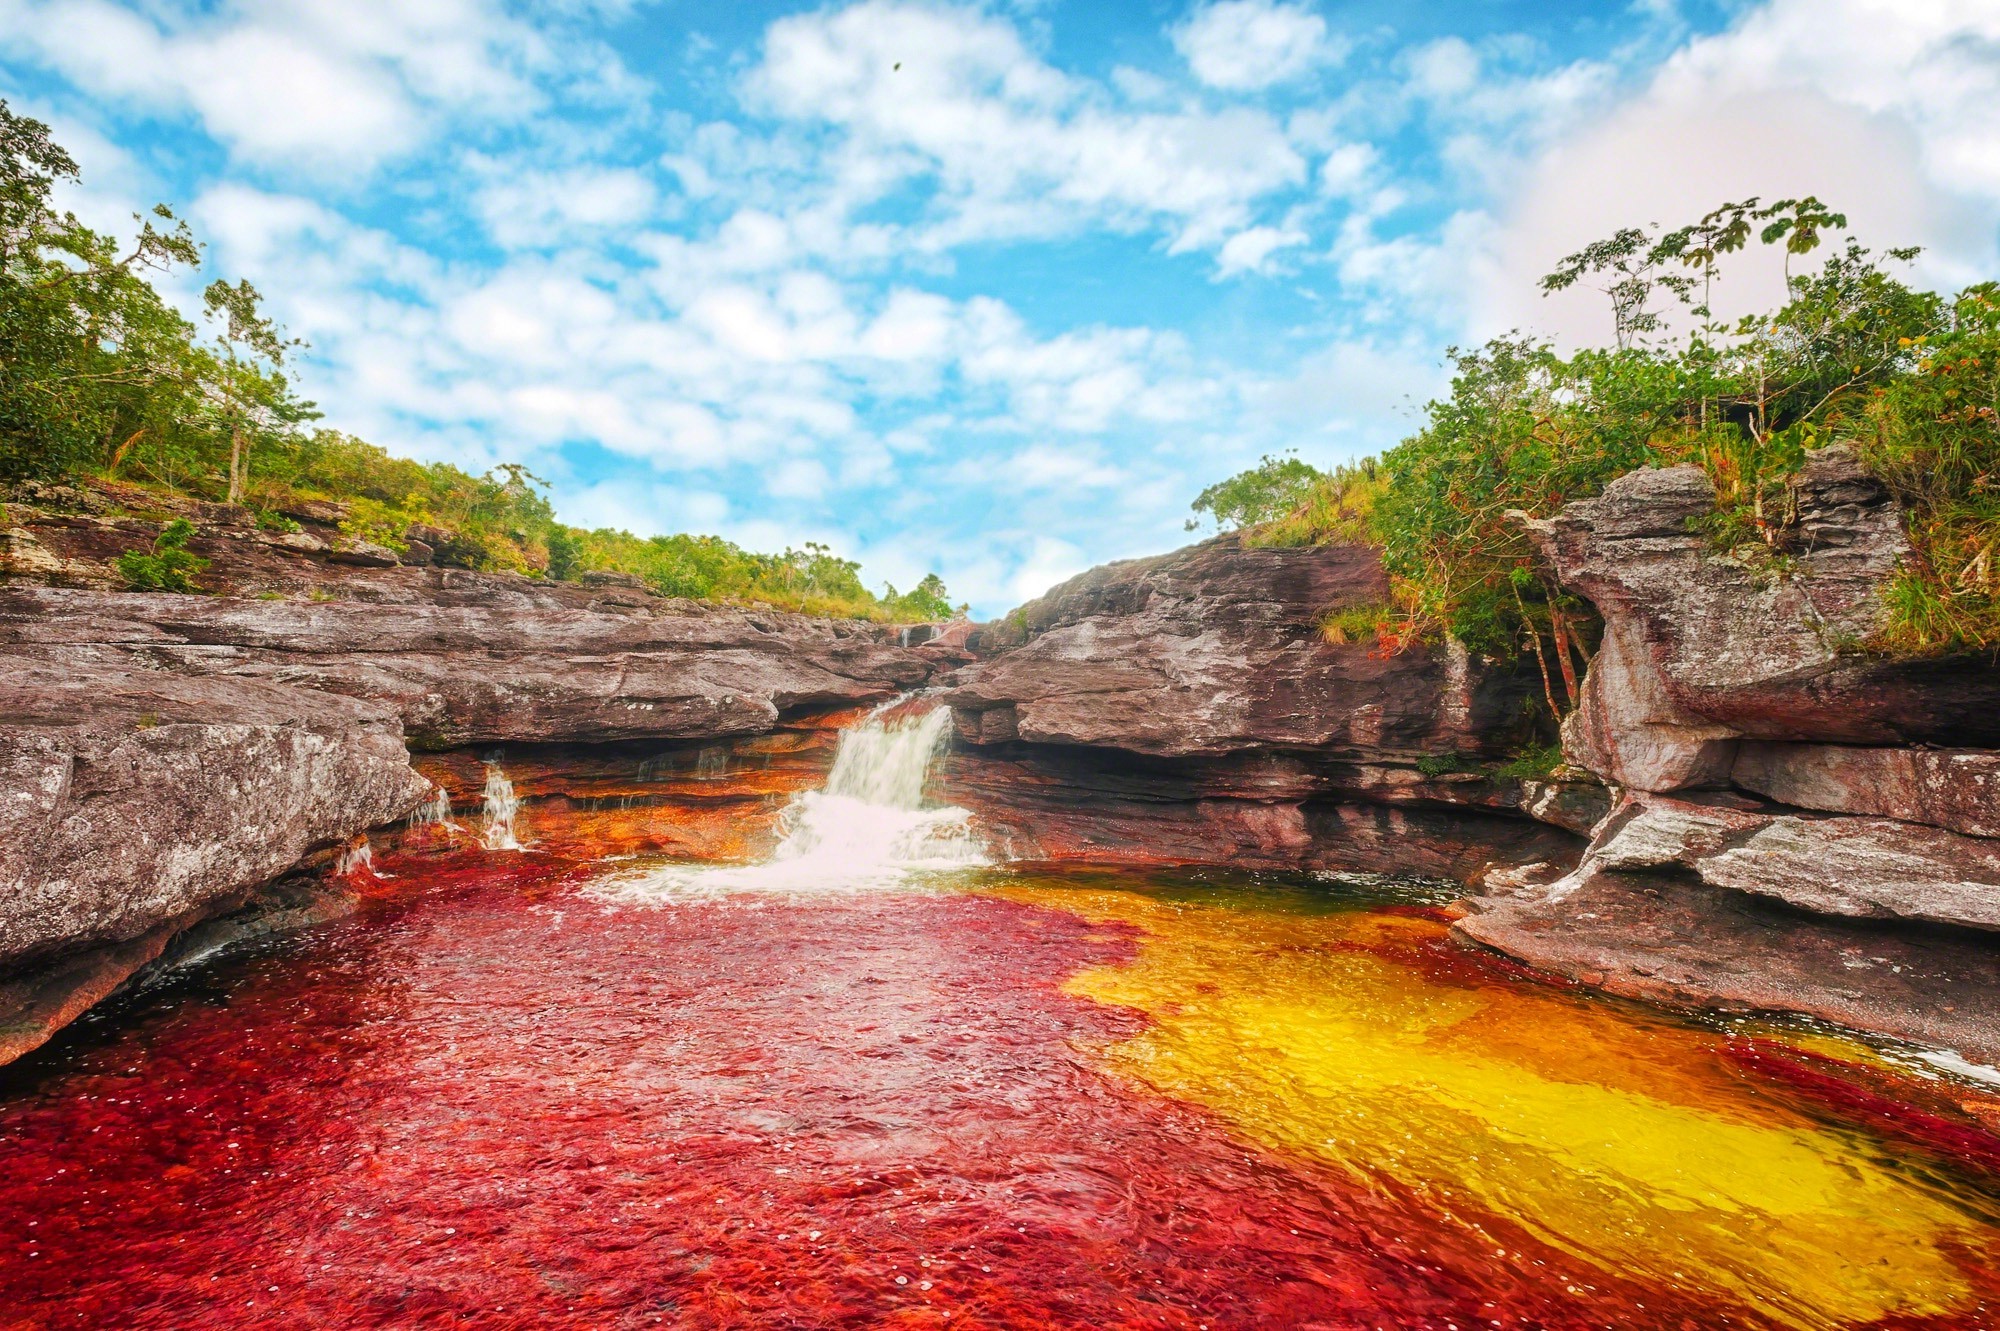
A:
{"points": [[1622, 1142]]}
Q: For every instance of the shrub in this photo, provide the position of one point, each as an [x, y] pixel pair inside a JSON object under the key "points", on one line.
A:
{"points": [[168, 566]]}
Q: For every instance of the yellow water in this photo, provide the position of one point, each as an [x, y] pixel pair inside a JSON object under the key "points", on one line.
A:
{"points": [[1621, 1140]]}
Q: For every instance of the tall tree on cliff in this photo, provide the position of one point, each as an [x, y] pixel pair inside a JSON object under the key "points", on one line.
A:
{"points": [[251, 388]]}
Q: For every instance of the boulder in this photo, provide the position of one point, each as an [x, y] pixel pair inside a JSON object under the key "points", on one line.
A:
{"points": [[135, 805], [1668, 938], [1864, 868], [318, 512], [363, 554]]}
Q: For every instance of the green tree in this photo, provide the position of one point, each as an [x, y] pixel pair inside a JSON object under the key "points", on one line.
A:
{"points": [[1271, 489]]}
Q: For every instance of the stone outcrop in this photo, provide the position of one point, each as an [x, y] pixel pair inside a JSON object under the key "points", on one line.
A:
{"points": [[134, 804], [1189, 708], [466, 658], [1783, 800], [1667, 938], [164, 758]]}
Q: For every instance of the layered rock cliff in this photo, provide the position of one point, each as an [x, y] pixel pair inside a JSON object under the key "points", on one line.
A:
{"points": [[1801, 823], [169, 759], [1190, 709]]}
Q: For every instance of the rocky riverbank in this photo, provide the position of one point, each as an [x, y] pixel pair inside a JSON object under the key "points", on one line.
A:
{"points": [[1759, 813], [168, 760]]}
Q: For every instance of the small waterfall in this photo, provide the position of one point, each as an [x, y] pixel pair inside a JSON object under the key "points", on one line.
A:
{"points": [[501, 806], [868, 827], [433, 816], [358, 858]]}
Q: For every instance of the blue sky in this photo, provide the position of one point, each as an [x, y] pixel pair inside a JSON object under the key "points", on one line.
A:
{"points": [[1002, 311]]}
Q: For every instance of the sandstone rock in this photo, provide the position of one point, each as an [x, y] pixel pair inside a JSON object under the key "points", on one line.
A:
{"points": [[319, 512], [1868, 868], [1217, 648], [128, 797], [416, 553], [598, 577], [486, 658], [364, 554], [1701, 648], [1958, 789], [1668, 939]]}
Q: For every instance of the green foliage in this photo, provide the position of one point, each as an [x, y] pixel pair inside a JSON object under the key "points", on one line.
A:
{"points": [[1357, 623], [1854, 355], [1271, 489], [168, 566], [100, 376], [1537, 762], [1442, 764]]}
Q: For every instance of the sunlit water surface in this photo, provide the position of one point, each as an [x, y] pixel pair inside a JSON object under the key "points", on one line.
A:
{"points": [[509, 1095]]}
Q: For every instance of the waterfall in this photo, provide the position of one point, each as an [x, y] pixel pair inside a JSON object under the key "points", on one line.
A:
{"points": [[501, 806], [358, 858], [433, 817], [869, 826]]}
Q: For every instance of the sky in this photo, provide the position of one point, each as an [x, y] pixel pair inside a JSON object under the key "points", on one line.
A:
{"points": [[988, 289]]}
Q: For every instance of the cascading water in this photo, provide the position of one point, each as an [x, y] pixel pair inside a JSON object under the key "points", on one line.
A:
{"points": [[501, 806], [868, 827]]}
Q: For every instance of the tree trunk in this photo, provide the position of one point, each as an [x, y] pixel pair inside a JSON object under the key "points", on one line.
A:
{"points": [[235, 463]]}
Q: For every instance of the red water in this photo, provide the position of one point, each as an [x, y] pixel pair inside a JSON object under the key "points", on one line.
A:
{"points": [[498, 1104]]}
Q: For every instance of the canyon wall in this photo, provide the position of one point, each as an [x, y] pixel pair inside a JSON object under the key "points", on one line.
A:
{"points": [[1801, 823], [1191, 709], [167, 761]]}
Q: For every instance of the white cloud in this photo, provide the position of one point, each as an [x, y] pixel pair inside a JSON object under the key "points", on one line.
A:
{"points": [[1250, 251], [1889, 112], [540, 208], [313, 85], [1247, 45], [1013, 146]]}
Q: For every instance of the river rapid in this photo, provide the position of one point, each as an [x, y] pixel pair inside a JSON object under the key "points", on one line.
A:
{"points": [[922, 1091]]}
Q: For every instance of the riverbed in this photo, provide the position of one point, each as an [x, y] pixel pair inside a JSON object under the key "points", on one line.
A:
{"points": [[516, 1092]]}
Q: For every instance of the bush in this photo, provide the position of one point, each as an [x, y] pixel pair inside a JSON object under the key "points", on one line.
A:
{"points": [[167, 567]]}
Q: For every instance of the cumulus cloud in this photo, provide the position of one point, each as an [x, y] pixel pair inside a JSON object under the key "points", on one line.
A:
{"points": [[319, 85], [1890, 112], [1012, 145], [1247, 45]]}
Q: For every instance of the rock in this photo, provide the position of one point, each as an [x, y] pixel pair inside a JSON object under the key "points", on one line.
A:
{"points": [[134, 805], [24, 557], [1957, 789], [1187, 709], [131, 797], [1701, 649], [363, 554], [228, 516], [318, 512], [598, 577], [416, 553], [433, 536], [1668, 939], [1216, 648], [485, 659], [1866, 868]]}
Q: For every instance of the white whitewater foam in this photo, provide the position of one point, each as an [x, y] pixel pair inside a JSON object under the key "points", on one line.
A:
{"points": [[867, 830], [501, 806]]}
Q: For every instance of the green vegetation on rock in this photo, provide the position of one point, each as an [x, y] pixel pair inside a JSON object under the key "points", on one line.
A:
{"points": [[1909, 379], [101, 377]]}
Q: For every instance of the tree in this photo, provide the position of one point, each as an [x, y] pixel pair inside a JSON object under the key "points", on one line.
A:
{"points": [[251, 389], [1269, 490]]}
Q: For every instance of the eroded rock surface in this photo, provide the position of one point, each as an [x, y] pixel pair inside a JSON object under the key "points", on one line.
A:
{"points": [[134, 804], [1189, 709], [1702, 650], [468, 658]]}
